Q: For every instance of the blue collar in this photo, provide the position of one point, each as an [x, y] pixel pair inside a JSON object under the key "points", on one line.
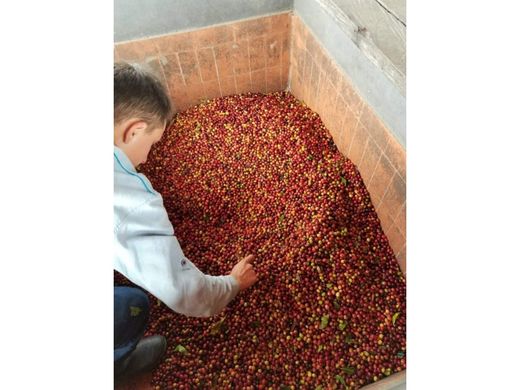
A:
{"points": [[126, 165], [123, 160]]}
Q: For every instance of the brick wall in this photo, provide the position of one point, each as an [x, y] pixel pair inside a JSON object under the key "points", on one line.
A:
{"points": [[358, 133], [246, 56]]}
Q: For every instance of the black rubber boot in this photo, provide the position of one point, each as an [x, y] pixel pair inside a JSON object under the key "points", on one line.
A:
{"points": [[147, 355]]}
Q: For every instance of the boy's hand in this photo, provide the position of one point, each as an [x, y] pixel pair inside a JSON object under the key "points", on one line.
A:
{"points": [[244, 273]]}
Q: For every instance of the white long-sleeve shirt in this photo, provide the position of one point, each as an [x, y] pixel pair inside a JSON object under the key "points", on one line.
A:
{"points": [[148, 253]]}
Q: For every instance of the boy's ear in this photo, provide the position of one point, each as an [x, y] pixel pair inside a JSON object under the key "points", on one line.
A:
{"points": [[134, 129]]}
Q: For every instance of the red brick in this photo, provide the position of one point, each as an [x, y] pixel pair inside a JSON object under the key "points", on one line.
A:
{"points": [[401, 259], [174, 43], [195, 93], [208, 70], [211, 89], [375, 127], [227, 85], [257, 53], [137, 50], [243, 83], [213, 36], [285, 73], [251, 28], [258, 80], [189, 67], [381, 178], [273, 79], [240, 57], [172, 73], [395, 196], [273, 50], [350, 96], [384, 218], [396, 239], [349, 125], [397, 156], [280, 23], [223, 57], [400, 220], [357, 147], [370, 158]]}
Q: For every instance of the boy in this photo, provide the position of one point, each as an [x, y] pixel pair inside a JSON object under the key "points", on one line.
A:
{"points": [[146, 250]]}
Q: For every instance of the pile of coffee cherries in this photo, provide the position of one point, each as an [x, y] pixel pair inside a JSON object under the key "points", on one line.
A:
{"points": [[259, 174]]}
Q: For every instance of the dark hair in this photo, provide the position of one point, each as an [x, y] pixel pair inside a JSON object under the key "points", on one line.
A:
{"points": [[139, 94]]}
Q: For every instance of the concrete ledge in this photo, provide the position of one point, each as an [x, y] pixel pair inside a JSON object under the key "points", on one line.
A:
{"points": [[396, 381], [370, 82], [135, 19]]}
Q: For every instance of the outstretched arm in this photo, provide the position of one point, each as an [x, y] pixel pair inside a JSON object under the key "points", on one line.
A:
{"points": [[148, 254]]}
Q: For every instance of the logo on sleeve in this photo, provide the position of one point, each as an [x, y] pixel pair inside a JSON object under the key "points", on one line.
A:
{"points": [[185, 264]]}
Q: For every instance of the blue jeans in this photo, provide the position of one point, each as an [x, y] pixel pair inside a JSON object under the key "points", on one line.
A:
{"points": [[131, 309]]}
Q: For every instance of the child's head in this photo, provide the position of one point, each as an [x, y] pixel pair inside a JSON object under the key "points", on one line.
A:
{"points": [[142, 111]]}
